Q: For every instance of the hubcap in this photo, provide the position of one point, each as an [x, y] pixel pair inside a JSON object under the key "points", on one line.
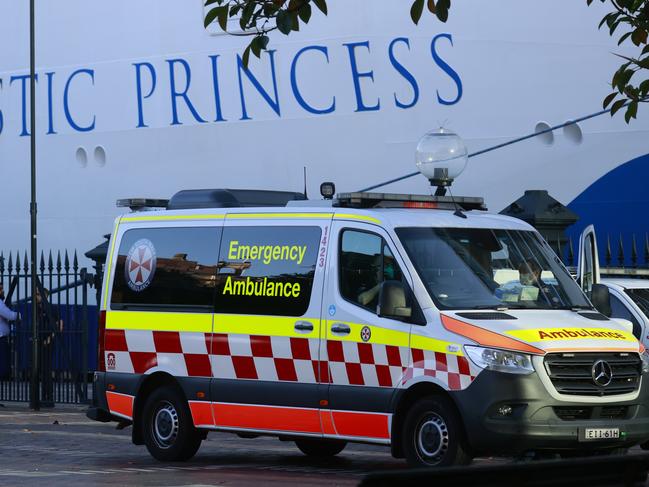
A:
{"points": [[432, 438], [165, 425]]}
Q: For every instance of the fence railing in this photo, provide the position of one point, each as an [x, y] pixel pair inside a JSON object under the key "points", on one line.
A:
{"points": [[64, 337], [619, 256]]}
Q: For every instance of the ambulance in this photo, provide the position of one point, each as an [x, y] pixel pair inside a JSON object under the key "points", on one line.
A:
{"points": [[422, 323]]}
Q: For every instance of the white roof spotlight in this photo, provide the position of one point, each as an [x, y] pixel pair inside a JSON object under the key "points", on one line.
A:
{"points": [[441, 157]]}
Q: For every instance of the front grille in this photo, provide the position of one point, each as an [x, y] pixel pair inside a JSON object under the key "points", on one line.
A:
{"points": [[569, 413], [571, 373], [575, 413], [614, 412]]}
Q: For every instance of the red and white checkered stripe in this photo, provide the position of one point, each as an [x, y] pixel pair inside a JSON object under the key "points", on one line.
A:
{"points": [[292, 359], [265, 358], [454, 370]]}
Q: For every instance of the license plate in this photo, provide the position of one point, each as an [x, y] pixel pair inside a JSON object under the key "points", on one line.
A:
{"points": [[601, 433]]}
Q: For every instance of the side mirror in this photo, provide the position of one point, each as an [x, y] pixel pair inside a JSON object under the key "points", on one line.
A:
{"points": [[393, 302], [601, 299]]}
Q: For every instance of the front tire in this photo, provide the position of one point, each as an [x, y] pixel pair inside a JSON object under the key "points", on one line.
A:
{"points": [[433, 435], [320, 448], [169, 432]]}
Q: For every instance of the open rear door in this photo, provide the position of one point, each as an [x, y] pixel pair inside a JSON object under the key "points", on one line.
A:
{"points": [[588, 264]]}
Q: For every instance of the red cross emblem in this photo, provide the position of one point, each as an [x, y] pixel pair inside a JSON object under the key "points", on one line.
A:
{"points": [[140, 265], [366, 333]]}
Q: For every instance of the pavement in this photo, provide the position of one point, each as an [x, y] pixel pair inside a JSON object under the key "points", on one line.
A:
{"points": [[61, 447]]}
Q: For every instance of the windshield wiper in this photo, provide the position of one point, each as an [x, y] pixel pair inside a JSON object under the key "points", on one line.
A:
{"points": [[499, 307], [575, 307]]}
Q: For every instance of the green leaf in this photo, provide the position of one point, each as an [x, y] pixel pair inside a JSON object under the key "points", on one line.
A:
{"points": [[210, 2], [631, 112], [295, 21], [322, 5], [255, 47], [246, 57], [246, 15], [211, 15], [639, 36], [624, 37], [625, 77], [609, 99], [603, 21], [616, 106], [416, 10], [305, 12], [441, 10], [223, 17], [644, 88], [284, 22]]}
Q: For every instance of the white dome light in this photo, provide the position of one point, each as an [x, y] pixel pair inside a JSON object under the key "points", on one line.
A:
{"points": [[441, 156]]}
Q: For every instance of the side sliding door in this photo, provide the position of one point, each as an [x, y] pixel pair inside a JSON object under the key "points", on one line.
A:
{"points": [[265, 343]]}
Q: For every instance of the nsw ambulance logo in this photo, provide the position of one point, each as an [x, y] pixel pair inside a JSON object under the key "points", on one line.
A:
{"points": [[140, 265]]}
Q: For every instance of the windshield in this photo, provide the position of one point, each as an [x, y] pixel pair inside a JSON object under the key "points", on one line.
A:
{"points": [[476, 268], [641, 298]]}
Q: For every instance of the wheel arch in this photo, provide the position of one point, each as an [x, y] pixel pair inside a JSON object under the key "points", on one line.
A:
{"points": [[404, 401], [149, 384]]}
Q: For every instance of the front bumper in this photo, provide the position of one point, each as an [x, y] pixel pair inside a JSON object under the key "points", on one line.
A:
{"points": [[534, 423], [98, 410]]}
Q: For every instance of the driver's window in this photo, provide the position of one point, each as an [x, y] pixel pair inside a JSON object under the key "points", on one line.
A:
{"points": [[365, 263]]}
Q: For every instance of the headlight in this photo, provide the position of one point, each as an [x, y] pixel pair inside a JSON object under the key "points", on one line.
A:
{"points": [[500, 360], [645, 361]]}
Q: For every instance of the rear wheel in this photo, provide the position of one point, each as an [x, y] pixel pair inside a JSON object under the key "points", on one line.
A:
{"points": [[433, 435], [320, 448], [169, 433]]}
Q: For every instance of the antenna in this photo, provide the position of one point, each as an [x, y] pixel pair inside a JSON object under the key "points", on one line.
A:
{"points": [[458, 210], [305, 195]]}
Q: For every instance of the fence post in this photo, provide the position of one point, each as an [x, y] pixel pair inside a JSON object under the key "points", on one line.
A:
{"points": [[84, 331]]}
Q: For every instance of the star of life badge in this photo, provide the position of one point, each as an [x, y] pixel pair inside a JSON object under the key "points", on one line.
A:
{"points": [[140, 265]]}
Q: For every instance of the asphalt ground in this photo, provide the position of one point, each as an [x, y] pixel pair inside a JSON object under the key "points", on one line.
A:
{"points": [[61, 447]]}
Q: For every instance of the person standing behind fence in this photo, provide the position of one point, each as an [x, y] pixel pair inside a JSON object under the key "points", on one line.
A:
{"points": [[50, 324], [6, 315]]}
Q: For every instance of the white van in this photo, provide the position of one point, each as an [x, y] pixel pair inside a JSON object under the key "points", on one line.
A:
{"points": [[629, 297], [374, 318]]}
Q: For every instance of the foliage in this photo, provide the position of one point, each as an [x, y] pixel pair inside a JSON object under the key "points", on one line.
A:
{"points": [[629, 20], [259, 17]]}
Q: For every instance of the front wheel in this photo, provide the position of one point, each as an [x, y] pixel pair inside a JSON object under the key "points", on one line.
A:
{"points": [[433, 435], [169, 433], [320, 448]]}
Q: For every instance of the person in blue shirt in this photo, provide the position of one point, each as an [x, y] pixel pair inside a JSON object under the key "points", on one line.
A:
{"points": [[6, 315]]}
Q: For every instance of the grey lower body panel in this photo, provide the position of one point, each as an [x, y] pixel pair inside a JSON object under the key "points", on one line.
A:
{"points": [[536, 424]]}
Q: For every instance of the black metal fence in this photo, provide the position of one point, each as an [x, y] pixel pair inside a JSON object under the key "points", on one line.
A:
{"points": [[65, 341], [619, 255]]}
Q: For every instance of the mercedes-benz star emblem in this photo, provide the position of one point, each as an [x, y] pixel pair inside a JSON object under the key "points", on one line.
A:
{"points": [[602, 373]]}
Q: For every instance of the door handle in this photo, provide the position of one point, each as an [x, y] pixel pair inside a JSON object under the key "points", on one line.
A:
{"points": [[340, 328], [303, 326]]}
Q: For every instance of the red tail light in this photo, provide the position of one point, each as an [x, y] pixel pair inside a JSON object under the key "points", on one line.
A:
{"points": [[101, 359]]}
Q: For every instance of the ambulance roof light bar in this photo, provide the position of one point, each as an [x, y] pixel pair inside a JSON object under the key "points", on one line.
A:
{"points": [[391, 200], [142, 204]]}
